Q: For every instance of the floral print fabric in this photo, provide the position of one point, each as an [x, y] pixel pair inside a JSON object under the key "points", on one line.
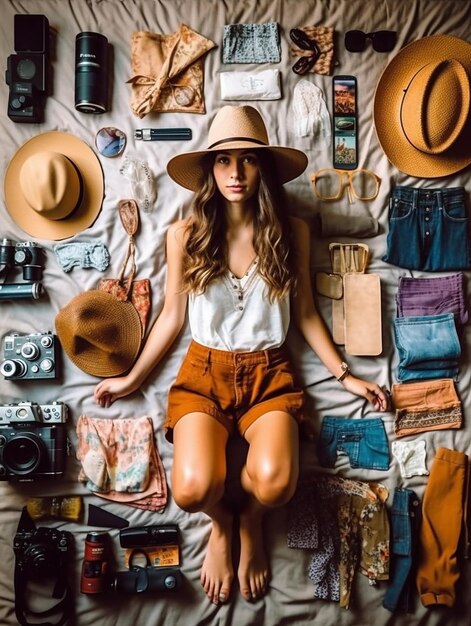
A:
{"points": [[345, 525]]}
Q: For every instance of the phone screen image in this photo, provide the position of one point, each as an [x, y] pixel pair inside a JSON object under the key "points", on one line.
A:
{"points": [[345, 142], [345, 96]]}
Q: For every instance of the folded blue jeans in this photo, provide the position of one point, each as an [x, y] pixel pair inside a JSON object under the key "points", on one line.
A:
{"points": [[364, 441], [428, 346], [428, 229], [405, 524]]}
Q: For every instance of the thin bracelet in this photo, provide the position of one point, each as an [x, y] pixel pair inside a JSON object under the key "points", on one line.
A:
{"points": [[346, 371]]}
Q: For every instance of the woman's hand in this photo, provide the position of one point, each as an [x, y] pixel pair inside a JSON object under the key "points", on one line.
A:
{"points": [[371, 391], [110, 389]]}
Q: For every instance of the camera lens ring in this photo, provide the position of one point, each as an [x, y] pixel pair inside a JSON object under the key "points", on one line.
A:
{"points": [[22, 454]]}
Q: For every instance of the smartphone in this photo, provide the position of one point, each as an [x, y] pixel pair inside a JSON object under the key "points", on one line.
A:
{"points": [[345, 122]]}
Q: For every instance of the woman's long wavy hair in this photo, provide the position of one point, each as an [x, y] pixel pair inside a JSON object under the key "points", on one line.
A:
{"points": [[206, 255]]}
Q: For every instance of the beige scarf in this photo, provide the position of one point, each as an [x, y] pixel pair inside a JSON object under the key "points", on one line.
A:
{"points": [[167, 71]]}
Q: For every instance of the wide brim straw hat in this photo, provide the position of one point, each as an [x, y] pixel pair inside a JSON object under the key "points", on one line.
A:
{"points": [[54, 186], [236, 127], [422, 107], [100, 334]]}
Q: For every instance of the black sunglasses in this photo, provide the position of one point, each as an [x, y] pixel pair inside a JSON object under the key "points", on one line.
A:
{"points": [[304, 64], [382, 40]]}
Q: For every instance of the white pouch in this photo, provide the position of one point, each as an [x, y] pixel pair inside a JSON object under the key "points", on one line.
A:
{"points": [[259, 85]]}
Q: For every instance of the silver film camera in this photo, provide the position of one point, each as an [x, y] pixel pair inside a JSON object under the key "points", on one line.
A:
{"points": [[33, 440], [26, 357]]}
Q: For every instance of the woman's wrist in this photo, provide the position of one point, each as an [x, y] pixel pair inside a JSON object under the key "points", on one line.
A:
{"points": [[345, 371]]}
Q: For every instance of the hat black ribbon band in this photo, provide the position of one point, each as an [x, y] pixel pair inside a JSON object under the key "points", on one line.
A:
{"points": [[221, 141], [80, 197]]}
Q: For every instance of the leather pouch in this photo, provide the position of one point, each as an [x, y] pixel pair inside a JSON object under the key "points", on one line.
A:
{"points": [[345, 258], [362, 307], [329, 285]]}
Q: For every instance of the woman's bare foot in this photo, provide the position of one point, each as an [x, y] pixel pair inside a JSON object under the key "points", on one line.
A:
{"points": [[253, 566], [217, 572]]}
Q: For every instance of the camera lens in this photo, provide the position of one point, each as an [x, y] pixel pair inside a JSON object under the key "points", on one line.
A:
{"points": [[7, 252], [13, 367], [22, 454], [91, 72], [32, 273]]}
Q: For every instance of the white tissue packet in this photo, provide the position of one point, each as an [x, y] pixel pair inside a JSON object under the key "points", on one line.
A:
{"points": [[246, 85]]}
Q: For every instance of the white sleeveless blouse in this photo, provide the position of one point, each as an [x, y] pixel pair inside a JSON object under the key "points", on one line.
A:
{"points": [[235, 314]]}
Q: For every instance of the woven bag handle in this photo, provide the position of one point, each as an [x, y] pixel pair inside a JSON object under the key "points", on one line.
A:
{"points": [[129, 215]]}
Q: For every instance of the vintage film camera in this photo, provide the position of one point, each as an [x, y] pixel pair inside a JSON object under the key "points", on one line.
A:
{"points": [[27, 70], [30, 257], [30, 357], [33, 440]]}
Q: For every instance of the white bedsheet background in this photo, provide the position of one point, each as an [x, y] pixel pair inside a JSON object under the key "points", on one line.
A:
{"points": [[289, 600]]}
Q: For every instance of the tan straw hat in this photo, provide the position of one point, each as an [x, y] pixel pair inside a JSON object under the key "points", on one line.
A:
{"points": [[100, 334], [235, 127], [54, 186], [422, 107]]}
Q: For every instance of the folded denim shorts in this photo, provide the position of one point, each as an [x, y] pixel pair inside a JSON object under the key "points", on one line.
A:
{"points": [[363, 440], [428, 346]]}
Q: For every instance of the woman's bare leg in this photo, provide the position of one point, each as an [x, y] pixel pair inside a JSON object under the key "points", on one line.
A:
{"points": [[198, 475], [269, 477]]}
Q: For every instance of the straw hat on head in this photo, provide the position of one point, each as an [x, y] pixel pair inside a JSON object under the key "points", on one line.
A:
{"points": [[100, 334], [54, 186], [422, 107], [235, 127]]}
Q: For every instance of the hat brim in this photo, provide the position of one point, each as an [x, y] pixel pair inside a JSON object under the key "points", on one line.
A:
{"points": [[387, 108], [185, 169], [90, 170]]}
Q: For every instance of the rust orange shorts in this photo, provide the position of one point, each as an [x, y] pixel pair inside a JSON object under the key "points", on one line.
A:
{"points": [[236, 388]]}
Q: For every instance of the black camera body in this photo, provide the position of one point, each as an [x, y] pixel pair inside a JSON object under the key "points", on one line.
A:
{"points": [[29, 256], [27, 70], [33, 441], [30, 357], [147, 580], [42, 551]]}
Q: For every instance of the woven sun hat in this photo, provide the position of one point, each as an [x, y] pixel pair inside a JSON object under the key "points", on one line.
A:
{"points": [[99, 334], [54, 186], [235, 127], [422, 107]]}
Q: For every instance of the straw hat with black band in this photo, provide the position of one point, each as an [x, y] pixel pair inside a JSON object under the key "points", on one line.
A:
{"points": [[235, 127], [100, 334], [54, 186], [422, 107]]}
